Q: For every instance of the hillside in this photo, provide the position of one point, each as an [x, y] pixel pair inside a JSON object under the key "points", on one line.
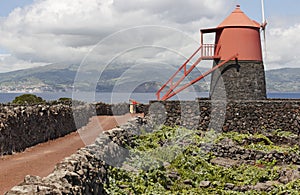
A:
{"points": [[283, 80], [55, 77], [60, 77]]}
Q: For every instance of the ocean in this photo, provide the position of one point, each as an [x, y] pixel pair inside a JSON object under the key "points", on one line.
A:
{"points": [[124, 97]]}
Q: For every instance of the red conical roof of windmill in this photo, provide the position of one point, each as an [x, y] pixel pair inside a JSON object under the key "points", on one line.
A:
{"points": [[238, 18]]}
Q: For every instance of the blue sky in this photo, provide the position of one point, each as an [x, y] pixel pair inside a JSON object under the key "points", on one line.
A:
{"points": [[51, 31], [273, 8], [6, 6]]}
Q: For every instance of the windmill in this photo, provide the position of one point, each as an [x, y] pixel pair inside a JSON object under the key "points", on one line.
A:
{"points": [[236, 54]]}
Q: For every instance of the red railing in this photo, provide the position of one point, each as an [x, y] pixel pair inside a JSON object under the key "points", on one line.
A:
{"points": [[210, 51]]}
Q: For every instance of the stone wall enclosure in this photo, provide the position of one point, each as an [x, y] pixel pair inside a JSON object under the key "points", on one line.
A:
{"points": [[241, 116], [86, 172]]}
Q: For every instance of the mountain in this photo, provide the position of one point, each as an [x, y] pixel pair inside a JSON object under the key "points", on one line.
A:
{"points": [[283, 80], [54, 77], [60, 77]]}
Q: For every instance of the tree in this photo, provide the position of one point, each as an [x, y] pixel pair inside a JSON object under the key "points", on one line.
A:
{"points": [[28, 99]]}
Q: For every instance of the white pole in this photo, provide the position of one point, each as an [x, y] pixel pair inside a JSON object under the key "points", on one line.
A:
{"points": [[263, 28], [263, 11]]}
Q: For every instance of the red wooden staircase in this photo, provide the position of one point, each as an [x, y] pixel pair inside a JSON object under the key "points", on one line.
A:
{"points": [[206, 52]]}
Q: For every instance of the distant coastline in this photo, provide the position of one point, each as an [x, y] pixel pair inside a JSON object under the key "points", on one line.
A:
{"points": [[112, 97]]}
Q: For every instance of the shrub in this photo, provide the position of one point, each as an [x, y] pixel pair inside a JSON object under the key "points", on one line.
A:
{"points": [[65, 99], [28, 99]]}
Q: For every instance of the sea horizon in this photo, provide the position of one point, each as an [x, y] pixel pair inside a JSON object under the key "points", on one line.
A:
{"points": [[117, 97]]}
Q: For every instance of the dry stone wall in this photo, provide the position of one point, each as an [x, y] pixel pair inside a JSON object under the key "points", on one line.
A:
{"points": [[84, 172], [118, 109], [242, 116], [25, 126]]}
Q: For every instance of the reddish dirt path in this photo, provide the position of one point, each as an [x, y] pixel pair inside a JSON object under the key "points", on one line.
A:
{"points": [[41, 159]]}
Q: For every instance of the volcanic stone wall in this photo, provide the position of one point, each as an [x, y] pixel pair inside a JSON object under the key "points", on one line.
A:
{"points": [[118, 109], [25, 126], [241, 116], [239, 80], [84, 172]]}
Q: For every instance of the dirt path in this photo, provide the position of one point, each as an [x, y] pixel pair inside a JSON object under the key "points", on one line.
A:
{"points": [[41, 159]]}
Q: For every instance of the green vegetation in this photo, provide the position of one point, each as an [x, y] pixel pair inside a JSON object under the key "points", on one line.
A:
{"points": [[264, 144], [26, 99], [65, 99], [171, 161], [234, 136], [281, 133]]}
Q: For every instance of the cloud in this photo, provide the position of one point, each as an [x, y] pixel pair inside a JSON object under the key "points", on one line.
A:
{"points": [[283, 45], [175, 11], [9, 63], [51, 31]]}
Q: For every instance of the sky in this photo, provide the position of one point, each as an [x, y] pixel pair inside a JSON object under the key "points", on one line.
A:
{"points": [[40, 32]]}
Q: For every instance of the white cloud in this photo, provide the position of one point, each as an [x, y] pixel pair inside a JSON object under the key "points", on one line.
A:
{"points": [[283, 45], [9, 63], [50, 31], [176, 11], [53, 30]]}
